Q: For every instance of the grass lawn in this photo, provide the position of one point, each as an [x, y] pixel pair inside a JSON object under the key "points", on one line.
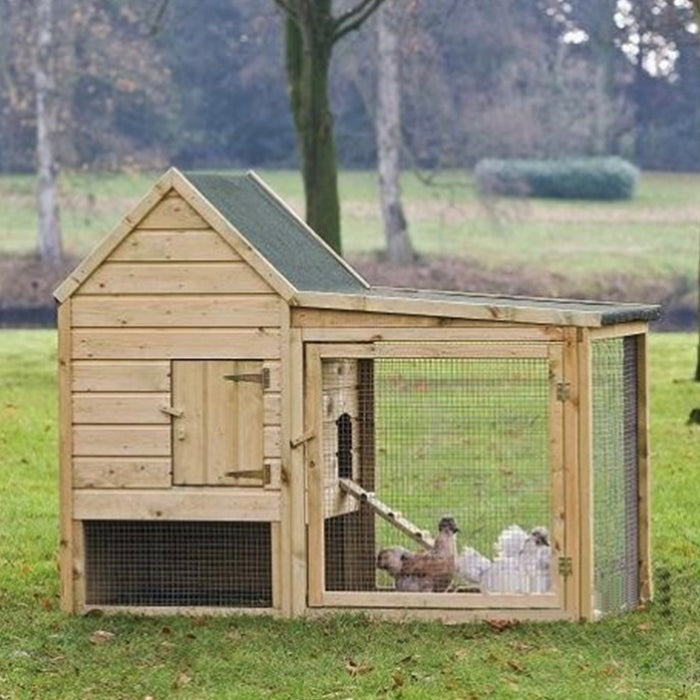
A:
{"points": [[46, 655], [655, 234]]}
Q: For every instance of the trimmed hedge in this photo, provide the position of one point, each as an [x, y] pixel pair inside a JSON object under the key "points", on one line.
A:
{"points": [[569, 178]]}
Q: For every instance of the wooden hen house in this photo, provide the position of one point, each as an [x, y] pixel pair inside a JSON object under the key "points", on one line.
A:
{"points": [[245, 424]]}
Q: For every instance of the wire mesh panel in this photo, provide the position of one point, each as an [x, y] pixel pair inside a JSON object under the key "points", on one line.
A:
{"points": [[434, 439], [615, 474], [178, 563]]}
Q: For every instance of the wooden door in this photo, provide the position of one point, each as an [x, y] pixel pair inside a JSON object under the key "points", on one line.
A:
{"points": [[218, 423]]}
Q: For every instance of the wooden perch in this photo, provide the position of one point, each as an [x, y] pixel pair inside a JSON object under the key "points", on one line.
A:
{"points": [[422, 537]]}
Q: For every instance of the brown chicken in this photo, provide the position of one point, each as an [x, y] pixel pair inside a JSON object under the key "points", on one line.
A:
{"points": [[424, 571]]}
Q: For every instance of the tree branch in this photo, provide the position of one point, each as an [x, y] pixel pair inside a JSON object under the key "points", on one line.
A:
{"points": [[354, 18], [158, 17], [285, 7]]}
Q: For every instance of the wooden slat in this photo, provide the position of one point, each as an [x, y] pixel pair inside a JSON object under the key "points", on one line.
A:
{"points": [[183, 503], [558, 476], [644, 475], [78, 566], [394, 599], [219, 448], [175, 278], [116, 440], [436, 350], [309, 318], [94, 375], [619, 330], [115, 408], [153, 245], [239, 311], [159, 344], [121, 472], [275, 543], [179, 610], [65, 454], [249, 422], [172, 213], [314, 468], [189, 439], [484, 334], [577, 515], [457, 308]]}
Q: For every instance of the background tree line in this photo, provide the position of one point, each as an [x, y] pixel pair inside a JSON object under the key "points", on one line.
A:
{"points": [[503, 78]]}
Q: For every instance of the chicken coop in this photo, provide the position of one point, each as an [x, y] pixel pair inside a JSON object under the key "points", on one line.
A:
{"points": [[246, 425]]}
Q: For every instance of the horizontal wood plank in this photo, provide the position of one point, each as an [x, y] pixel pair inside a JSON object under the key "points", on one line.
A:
{"points": [[121, 472], [112, 407], [505, 332], [172, 213], [124, 375], [175, 278], [239, 311], [395, 599], [180, 503], [169, 343], [155, 245], [118, 440]]}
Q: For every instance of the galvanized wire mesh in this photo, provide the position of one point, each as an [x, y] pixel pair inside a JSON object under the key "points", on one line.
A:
{"points": [[178, 563], [468, 438], [615, 474]]}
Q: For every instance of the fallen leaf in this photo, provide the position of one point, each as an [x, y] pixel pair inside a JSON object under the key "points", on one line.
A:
{"points": [[357, 669], [643, 626], [182, 680], [500, 625], [46, 604], [397, 679], [515, 666], [101, 637]]}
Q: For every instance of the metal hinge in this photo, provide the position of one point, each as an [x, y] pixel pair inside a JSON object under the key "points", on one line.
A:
{"points": [[563, 391], [262, 378], [263, 474], [564, 565]]}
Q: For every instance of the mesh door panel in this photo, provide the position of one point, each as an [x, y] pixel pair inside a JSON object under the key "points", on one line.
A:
{"points": [[467, 438], [178, 563], [615, 474]]}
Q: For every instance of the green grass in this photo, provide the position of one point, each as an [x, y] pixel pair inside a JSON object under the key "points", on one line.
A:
{"points": [[46, 655], [654, 235]]}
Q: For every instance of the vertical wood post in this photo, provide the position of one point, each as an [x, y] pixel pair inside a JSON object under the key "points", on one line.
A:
{"points": [[65, 429], [644, 474]]}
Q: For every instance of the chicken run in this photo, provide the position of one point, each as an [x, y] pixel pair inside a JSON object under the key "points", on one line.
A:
{"points": [[248, 426]]}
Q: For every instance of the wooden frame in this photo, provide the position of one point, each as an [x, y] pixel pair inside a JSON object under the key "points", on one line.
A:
{"points": [[559, 601]]}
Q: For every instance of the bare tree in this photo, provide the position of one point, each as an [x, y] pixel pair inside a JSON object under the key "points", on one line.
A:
{"points": [[388, 126], [311, 33], [49, 239]]}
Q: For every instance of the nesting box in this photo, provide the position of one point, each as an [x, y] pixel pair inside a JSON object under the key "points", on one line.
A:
{"points": [[248, 426]]}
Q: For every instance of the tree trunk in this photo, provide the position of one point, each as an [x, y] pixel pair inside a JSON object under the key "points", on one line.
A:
{"points": [[388, 125], [49, 234], [309, 43]]}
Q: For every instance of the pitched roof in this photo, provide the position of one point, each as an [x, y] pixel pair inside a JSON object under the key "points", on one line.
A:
{"points": [[288, 244], [307, 272]]}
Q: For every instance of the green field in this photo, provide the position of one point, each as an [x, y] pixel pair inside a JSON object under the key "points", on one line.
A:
{"points": [[45, 655], [653, 236]]}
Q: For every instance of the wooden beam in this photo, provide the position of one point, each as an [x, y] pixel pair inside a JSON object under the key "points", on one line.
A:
{"points": [[435, 350], [181, 503], [396, 599], [619, 330], [646, 584], [483, 334], [65, 431]]}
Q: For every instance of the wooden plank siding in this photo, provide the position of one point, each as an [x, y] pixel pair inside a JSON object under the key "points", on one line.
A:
{"points": [[154, 245]]}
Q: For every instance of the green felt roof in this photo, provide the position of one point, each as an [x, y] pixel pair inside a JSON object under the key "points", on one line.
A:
{"points": [[276, 234]]}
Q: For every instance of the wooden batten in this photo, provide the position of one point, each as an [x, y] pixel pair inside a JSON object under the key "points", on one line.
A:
{"points": [[198, 245], [65, 428], [168, 311], [121, 440], [184, 503], [646, 584], [120, 375], [122, 472]]}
